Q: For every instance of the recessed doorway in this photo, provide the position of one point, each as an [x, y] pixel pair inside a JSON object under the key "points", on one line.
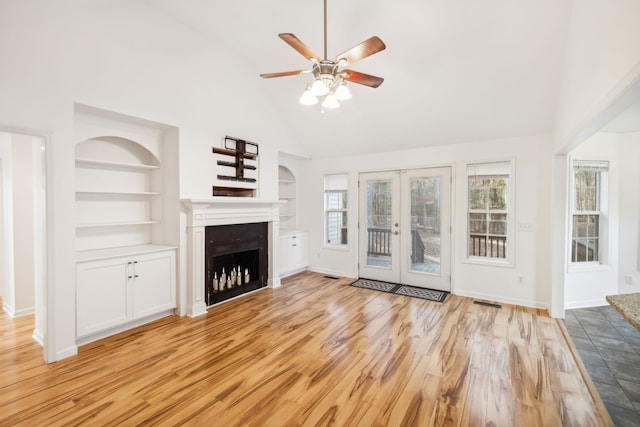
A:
{"points": [[22, 227]]}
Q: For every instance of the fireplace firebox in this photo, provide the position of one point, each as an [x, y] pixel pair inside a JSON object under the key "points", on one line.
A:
{"points": [[236, 260]]}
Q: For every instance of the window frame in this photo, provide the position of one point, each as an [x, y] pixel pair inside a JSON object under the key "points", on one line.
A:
{"points": [[336, 187], [602, 201], [505, 168]]}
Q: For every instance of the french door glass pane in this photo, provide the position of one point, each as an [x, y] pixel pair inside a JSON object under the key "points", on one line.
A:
{"points": [[379, 199], [425, 225]]}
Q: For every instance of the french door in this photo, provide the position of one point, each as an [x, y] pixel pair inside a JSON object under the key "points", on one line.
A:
{"points": [[405, 227]]}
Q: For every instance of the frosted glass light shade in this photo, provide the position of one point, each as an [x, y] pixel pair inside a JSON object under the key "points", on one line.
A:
{"points": [[330, 102], [308, 98], [318, 88], [342, 92]]}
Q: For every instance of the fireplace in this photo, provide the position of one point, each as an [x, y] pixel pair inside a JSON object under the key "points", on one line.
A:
{"points": [[222, 211], [236, 260]]}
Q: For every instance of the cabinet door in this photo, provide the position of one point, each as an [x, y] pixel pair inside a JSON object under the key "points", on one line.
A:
{"points": [[294, 250], [286, 254], [153, 283], [302, 250], [102, 295]]}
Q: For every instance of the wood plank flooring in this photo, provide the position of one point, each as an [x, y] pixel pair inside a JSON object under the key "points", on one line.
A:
{"points": [[313, 352]]}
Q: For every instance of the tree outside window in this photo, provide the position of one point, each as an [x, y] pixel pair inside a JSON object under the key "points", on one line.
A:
{"points": [[587, 207]]}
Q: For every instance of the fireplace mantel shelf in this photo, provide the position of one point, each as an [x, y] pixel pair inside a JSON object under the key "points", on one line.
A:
{"points": [[230, 201]]}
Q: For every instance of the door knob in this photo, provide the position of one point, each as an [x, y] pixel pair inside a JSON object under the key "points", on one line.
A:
{"points": [[396, 224], [397, 232]]}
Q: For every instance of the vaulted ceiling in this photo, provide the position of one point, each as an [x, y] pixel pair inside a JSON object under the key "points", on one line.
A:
{"points": [[454, 70]]}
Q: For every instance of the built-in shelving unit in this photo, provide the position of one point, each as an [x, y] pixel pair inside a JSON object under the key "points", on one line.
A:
{"points": [[118, 194], [287, 193], [126, 195]]}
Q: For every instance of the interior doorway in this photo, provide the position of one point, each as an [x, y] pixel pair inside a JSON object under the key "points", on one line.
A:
{"points": [[22, 227], [405, 227]]}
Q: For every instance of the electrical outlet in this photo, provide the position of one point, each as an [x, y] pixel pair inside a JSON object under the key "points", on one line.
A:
{"points": [[521, 280], [628, 280], [525, 226]]}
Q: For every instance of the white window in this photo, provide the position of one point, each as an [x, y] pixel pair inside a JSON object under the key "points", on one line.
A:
{"points": [[335, 207], [489, 212], [588, 211]]}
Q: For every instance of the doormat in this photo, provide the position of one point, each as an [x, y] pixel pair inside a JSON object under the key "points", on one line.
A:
{"points": [[394, 288]]}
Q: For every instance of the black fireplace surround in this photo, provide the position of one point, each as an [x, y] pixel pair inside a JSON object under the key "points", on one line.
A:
{"points": [[229, 247]]}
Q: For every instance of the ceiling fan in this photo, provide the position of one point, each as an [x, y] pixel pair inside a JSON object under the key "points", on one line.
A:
{"points": [[330, 76]]}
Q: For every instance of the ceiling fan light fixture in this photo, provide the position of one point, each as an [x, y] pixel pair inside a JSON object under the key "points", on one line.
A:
{"points": [[330, 76], [307, 97], [319, 88], [330, 102], [342, 92]]}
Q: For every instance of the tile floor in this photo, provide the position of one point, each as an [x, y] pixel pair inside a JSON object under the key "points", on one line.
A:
{"points": [[610, 350]]}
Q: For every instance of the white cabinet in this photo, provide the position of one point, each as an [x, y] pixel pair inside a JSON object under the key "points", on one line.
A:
{"points": [[294, 252], [153, 283], [115, 291], [126, 214], [101, 294]]}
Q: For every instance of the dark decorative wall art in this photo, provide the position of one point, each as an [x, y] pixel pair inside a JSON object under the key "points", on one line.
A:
{"points": [[237, 167]]}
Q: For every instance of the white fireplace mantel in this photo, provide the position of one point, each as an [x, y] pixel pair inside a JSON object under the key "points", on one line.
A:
{"points": [[225, 211]]}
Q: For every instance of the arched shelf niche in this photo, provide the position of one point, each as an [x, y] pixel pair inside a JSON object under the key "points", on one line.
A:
{"points": [[118, 194], [287, 193]]}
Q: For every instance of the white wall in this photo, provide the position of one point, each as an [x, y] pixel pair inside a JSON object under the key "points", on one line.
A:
{"points": [[23, 225], [602, 66], [532, 157], [111, 55], [587, 286], [6, 260], [602, 59], [22, 209], [629, 244]]}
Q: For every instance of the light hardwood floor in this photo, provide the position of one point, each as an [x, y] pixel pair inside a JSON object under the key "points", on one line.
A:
{"points": [[313, 352]]}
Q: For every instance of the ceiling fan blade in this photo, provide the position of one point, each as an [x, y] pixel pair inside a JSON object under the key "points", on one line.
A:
{"points": [[302, 48], [361, 78], [364, 49], [284, 74]]}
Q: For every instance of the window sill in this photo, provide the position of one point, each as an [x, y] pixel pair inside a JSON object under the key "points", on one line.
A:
{"points": [[587, 267], [343, 248], [489, 262]]}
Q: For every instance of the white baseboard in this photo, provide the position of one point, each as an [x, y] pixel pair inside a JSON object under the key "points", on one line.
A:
{"points": [[585, 303], [16, 313], [125, 327], [502, 299], [38, 337], [63, 354], [334, 273]]}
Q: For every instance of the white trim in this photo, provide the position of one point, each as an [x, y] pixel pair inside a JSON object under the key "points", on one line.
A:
{"points": [[337, 273], [509, 260], [502, 299], [598, 302]]}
